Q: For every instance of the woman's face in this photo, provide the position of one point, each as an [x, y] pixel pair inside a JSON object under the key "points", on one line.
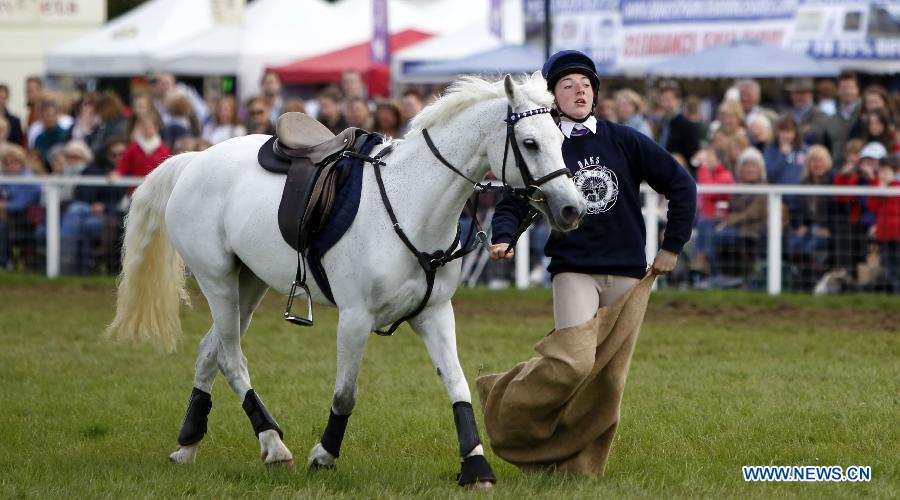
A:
{"points": [[385, 119], [624, 108], [787, 136], [750, 172], [574, 95], [147, 129], [358, 113], [141, 105], [328, 109], [818, 166], [875, 126], [226, 111], [728, 120], [258, 113], [874, 101]]}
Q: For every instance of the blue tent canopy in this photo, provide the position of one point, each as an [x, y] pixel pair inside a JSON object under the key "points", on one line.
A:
{"points": [[505, 59], [743, 59]]}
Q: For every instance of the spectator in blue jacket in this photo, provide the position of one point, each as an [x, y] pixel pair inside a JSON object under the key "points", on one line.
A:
{"points": [[600, 261], [16, 231]]}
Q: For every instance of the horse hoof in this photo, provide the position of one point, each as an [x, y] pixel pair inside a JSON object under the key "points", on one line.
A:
{"points": [[476, 474], [320, 459], [481, 486], [287, 464], [184, 454], [316, 466]]}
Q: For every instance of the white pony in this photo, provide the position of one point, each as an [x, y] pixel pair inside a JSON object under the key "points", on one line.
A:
{"points": [[215, 212]]}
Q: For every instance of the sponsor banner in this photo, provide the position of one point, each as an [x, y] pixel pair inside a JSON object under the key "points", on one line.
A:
{"points": [[704, 11], [635, 33]]}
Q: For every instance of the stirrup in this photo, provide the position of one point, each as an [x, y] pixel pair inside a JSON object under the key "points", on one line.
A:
{"points": [[290, 318]]}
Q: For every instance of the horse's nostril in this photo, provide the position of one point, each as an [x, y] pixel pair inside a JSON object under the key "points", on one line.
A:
{"points": [[570, 214]]}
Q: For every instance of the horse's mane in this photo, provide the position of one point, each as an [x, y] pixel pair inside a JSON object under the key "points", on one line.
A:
{"points": [[470, 90]]}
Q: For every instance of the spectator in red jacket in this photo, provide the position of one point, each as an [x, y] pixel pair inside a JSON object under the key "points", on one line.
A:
{"points": [[146, 150], [850, 221], [711, 208], [887, 220]]}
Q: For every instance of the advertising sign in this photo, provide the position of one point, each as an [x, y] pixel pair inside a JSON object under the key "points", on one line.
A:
{"points": [[631, 34]]}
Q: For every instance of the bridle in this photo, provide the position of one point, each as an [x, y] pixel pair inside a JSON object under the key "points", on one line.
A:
{"points": [[531, 190], [531, 185]]}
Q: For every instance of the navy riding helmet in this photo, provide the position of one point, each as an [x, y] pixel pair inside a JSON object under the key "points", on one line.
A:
{"points": [[566, 62]]}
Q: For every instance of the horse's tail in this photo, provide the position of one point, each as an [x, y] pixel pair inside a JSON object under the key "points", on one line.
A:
{"points": [[151, 285]]}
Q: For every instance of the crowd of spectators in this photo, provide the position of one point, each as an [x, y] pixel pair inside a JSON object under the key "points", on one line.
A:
{"points": [[98, 134], [829, 133], [844, 137]]}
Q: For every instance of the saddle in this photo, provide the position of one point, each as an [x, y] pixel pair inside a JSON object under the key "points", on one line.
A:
{"points": [[307, 152]]}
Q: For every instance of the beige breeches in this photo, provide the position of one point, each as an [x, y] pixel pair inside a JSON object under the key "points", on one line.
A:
{"points": [[577, 296]]}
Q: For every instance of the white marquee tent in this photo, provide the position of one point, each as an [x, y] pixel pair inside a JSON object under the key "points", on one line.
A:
{"points": [[127, 45], [287, 30], [181, 35]]}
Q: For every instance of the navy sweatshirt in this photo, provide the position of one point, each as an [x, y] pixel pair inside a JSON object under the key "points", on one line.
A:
{"points": [[608, 168]]}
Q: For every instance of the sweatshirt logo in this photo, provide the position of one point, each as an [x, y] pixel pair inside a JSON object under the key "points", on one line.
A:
{"points": [[598, 185]]}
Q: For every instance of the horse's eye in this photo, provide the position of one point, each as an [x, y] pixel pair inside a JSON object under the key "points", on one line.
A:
{"points": [[531, 144]]}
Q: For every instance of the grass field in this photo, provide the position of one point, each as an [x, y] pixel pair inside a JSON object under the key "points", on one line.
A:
{"points": [[718, 380]]}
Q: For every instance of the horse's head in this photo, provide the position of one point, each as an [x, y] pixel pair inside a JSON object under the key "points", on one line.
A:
{"points": [[533, 155]]}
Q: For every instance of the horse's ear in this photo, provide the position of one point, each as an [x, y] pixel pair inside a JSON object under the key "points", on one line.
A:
{"points": [[510, 88]]}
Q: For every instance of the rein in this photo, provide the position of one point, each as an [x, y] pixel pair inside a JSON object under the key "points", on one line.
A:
{"points": [[431, 262]]}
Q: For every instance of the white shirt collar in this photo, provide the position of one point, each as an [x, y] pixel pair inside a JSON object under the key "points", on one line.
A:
{"points": [[567, 126]]}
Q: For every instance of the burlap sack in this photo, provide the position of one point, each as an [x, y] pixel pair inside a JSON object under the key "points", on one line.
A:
{"points": [[560, 410]]}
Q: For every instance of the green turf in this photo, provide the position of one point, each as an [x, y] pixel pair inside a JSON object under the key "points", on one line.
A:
{"points": [[718, 380]]}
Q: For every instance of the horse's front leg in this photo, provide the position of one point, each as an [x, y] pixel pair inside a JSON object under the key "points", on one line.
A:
{"points": [[437, 328], [354, 327]]}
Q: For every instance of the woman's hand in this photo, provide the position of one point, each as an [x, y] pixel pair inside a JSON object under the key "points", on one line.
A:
{"points": [[498, 251], [664, 262]]}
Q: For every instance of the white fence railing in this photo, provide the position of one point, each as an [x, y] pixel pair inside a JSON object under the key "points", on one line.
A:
{"points": [[52, 185]]}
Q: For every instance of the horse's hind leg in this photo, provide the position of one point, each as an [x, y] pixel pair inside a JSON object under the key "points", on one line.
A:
{"points": [[353, 334], [437, 328], [212, 358]]}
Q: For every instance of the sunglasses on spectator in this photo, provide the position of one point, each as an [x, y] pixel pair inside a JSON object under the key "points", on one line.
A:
{"points": [[257, 111]]}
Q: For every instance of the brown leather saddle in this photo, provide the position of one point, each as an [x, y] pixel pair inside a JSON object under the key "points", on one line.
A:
{"points": [[307, 152]]}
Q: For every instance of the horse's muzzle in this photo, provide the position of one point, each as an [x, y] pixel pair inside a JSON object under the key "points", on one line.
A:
{"points": [[570, 216]]}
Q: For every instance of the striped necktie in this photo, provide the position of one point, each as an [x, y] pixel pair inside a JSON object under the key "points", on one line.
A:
{"points": [[579, 130]]}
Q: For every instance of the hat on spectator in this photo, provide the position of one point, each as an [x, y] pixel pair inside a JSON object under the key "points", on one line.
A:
{"points": [[874, 150], [80, 150], [800, 85]]}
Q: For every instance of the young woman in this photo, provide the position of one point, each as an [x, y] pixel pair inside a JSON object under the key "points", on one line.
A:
{"points": [[592, 266], [600, 261]]}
